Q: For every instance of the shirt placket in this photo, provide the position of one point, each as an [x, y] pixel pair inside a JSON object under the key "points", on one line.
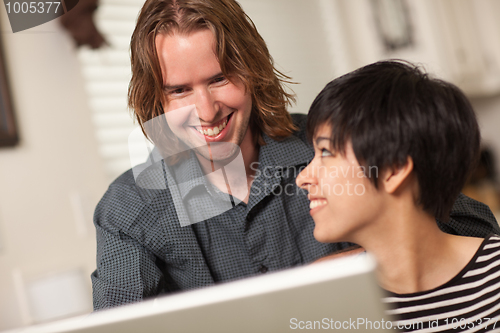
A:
{"points": [[256, 232]]}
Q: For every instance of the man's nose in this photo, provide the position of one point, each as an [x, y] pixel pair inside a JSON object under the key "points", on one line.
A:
{"points": [[207, 106]]}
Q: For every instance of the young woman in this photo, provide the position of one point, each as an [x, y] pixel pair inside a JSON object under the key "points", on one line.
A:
{"points": [[393, 148]]}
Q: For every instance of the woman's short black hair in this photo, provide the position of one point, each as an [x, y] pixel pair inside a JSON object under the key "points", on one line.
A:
{"points": [[390, 110]]}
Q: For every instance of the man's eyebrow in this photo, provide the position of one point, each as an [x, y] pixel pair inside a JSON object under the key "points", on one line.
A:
{"points": [[215, 76], [321, 138], [168, 88], [180, 86]]}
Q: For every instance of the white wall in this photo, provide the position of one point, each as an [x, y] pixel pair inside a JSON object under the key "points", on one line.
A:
{"points": [[297, 40], [55, 166], [315, 41]]}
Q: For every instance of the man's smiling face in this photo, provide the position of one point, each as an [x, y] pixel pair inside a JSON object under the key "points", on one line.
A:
{"points": [[204, 109]]}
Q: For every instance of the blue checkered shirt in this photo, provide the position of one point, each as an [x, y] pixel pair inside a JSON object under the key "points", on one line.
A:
{"points": [[143, 251]]}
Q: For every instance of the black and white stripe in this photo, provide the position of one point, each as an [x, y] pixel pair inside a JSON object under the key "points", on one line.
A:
{"points": [[463, 304]]}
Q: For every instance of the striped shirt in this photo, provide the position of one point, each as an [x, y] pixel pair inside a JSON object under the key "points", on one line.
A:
{"points": [[470, 302]]}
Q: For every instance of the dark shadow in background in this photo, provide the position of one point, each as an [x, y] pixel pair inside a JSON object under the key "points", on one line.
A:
{"points": [[8, 130]]}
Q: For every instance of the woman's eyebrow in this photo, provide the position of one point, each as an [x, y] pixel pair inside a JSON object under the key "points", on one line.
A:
{"points": [[321, 138]]}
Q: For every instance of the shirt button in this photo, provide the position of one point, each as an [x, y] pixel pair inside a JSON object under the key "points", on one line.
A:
{"points": [[263, 269]]}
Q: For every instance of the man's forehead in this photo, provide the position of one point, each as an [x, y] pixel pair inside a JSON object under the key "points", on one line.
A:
{"points": [[164, 33], [187, 57]]}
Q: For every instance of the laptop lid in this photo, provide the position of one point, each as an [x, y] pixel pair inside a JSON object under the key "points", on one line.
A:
{"points": [[339, 294]]}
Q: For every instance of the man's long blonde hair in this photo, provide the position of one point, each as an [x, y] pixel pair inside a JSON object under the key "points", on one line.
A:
{"points": [[239, 48]]}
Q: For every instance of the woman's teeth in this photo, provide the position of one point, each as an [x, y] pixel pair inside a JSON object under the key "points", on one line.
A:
{"points": [[316, 203], [213, 131]]}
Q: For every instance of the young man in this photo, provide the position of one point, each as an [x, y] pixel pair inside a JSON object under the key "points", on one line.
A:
{"points": [[393, 148], [221, 202]]}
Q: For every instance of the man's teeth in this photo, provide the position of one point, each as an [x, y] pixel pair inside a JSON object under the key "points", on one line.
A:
{"points": [[214, 130], [316, 203]]}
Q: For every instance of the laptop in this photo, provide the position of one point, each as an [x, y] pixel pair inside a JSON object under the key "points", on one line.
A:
{"points": [[338, 294]]}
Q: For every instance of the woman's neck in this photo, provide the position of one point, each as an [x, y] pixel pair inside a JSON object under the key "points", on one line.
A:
{"points": [[413, 254]]}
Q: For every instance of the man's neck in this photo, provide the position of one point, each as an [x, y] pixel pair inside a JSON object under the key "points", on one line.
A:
{"points": [[236, 178], [250, 152]]}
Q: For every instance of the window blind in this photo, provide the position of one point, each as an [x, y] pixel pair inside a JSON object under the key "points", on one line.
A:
{"points": [[106, 72]]}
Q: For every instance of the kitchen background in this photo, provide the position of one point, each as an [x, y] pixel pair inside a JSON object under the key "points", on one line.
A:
{"points": [[73, 122]]}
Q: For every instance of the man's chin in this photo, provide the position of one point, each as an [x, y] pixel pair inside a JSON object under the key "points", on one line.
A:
{"points": [[218, 152]]}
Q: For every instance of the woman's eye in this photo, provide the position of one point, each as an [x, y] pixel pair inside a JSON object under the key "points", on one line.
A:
{"points": [[325, 153]]}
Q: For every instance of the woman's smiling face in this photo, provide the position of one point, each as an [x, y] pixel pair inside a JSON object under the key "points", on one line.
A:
{"points": [[343, 200]]}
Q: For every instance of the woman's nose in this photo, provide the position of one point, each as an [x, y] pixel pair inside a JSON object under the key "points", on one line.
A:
{"points": [[307, 177]]}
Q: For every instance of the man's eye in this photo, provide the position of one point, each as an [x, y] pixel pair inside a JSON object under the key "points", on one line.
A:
{"points": [[219, 79], [176, 91]]}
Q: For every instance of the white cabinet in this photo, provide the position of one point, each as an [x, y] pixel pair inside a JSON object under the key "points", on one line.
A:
{"points": [[458, 40], [471, 44]]}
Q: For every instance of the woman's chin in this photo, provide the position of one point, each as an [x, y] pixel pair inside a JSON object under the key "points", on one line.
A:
{"points": [[323, 236]]}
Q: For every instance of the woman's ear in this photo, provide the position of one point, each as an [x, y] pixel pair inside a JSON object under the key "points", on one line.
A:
{"points": [[394, 176]]}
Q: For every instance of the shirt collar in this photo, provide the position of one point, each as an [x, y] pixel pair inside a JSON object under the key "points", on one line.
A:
{"points": [[289, 151], [188, 175]]}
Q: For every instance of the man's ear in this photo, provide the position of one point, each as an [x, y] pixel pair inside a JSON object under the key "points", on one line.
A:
{"points": [[395, 176]]}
